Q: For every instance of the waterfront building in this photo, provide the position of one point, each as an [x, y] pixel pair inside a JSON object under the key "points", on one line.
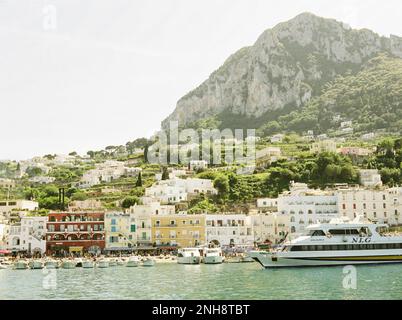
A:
{"points": [[120, 232], [178, 230], [370, 178], [269, 227], [376, 205], [75, 233], [307, 206], [4, 232], [229, 229], [28, 235], [323, 146]]}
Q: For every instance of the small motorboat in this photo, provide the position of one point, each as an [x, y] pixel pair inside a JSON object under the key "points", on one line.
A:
{"points": [[133, 261], [112, 262], [88, 264], [103, 263], [3, 266], [52, 264], [68, 264], [189, 256], [78, 262], [213, 256], [121, 262], [36, 264], [148, 262], [21, 265]]}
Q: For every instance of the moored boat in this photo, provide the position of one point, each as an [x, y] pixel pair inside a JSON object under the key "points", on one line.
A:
{"points": [[36, 264], [68, 264], [112, 262], [103, 263], [21, 264], [340, 242], [88, 264], [52, 264], [189, 256], [148, 262], [213, 256], [133, 261]]}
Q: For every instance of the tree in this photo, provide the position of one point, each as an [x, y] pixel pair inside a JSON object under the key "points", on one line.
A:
{"points": [[221, 183], [165, 173], [129, 202], [139, 180]]}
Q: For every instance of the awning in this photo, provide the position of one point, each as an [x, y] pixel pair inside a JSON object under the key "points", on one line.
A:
{"points": [[5, 251], [120, 249], [76, 249]]}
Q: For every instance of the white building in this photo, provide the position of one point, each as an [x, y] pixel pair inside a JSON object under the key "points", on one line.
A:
{"points": [[307, 206], [177, 190], [29, 235], [268, 204], [42, 180], [198, 165], [229, 229], [270, 226], [4, 232], [7, 183], [106, 172], [10, 208], [277, 138], [370, 178], [377, 205]]}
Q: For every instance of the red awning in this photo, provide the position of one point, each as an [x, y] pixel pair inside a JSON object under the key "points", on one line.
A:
{"points": [[5, 251]]}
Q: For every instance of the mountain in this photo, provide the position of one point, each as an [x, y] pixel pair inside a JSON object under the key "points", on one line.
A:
{"points": [[287, 67]]}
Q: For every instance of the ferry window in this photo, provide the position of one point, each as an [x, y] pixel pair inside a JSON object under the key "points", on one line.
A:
{"points": [[342, 247], [334, 247], [317, 233], [352, 232], [350, 247], [356, 247], [296, 248], [336, 232], [320, 248]]}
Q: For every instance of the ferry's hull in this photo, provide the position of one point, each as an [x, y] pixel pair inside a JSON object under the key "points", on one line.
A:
{"points": [[148, 263], [188, 260], [268, 260], [213, 260]]}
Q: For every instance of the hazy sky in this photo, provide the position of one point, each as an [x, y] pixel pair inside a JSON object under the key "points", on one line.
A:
{"points": [[78, 75]]}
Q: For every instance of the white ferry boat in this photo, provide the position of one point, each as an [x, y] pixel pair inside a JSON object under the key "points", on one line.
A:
{"points": [[213, 256], [189, 256], [340, 242]]}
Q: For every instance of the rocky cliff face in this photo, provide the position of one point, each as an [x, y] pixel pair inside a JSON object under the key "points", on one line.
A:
{"points": [[286, 66]]}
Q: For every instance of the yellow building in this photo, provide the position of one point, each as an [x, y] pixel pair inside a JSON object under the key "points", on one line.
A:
{"points": [[178, 230], [120, 232]]}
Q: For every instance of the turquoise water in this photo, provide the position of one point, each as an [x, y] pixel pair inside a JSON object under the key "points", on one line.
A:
{"points": [[226, 281]]}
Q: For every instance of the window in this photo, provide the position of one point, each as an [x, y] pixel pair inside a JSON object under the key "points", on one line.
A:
{"points": [[113, 229], [317, 233], [132, 228], [113, 222]]}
